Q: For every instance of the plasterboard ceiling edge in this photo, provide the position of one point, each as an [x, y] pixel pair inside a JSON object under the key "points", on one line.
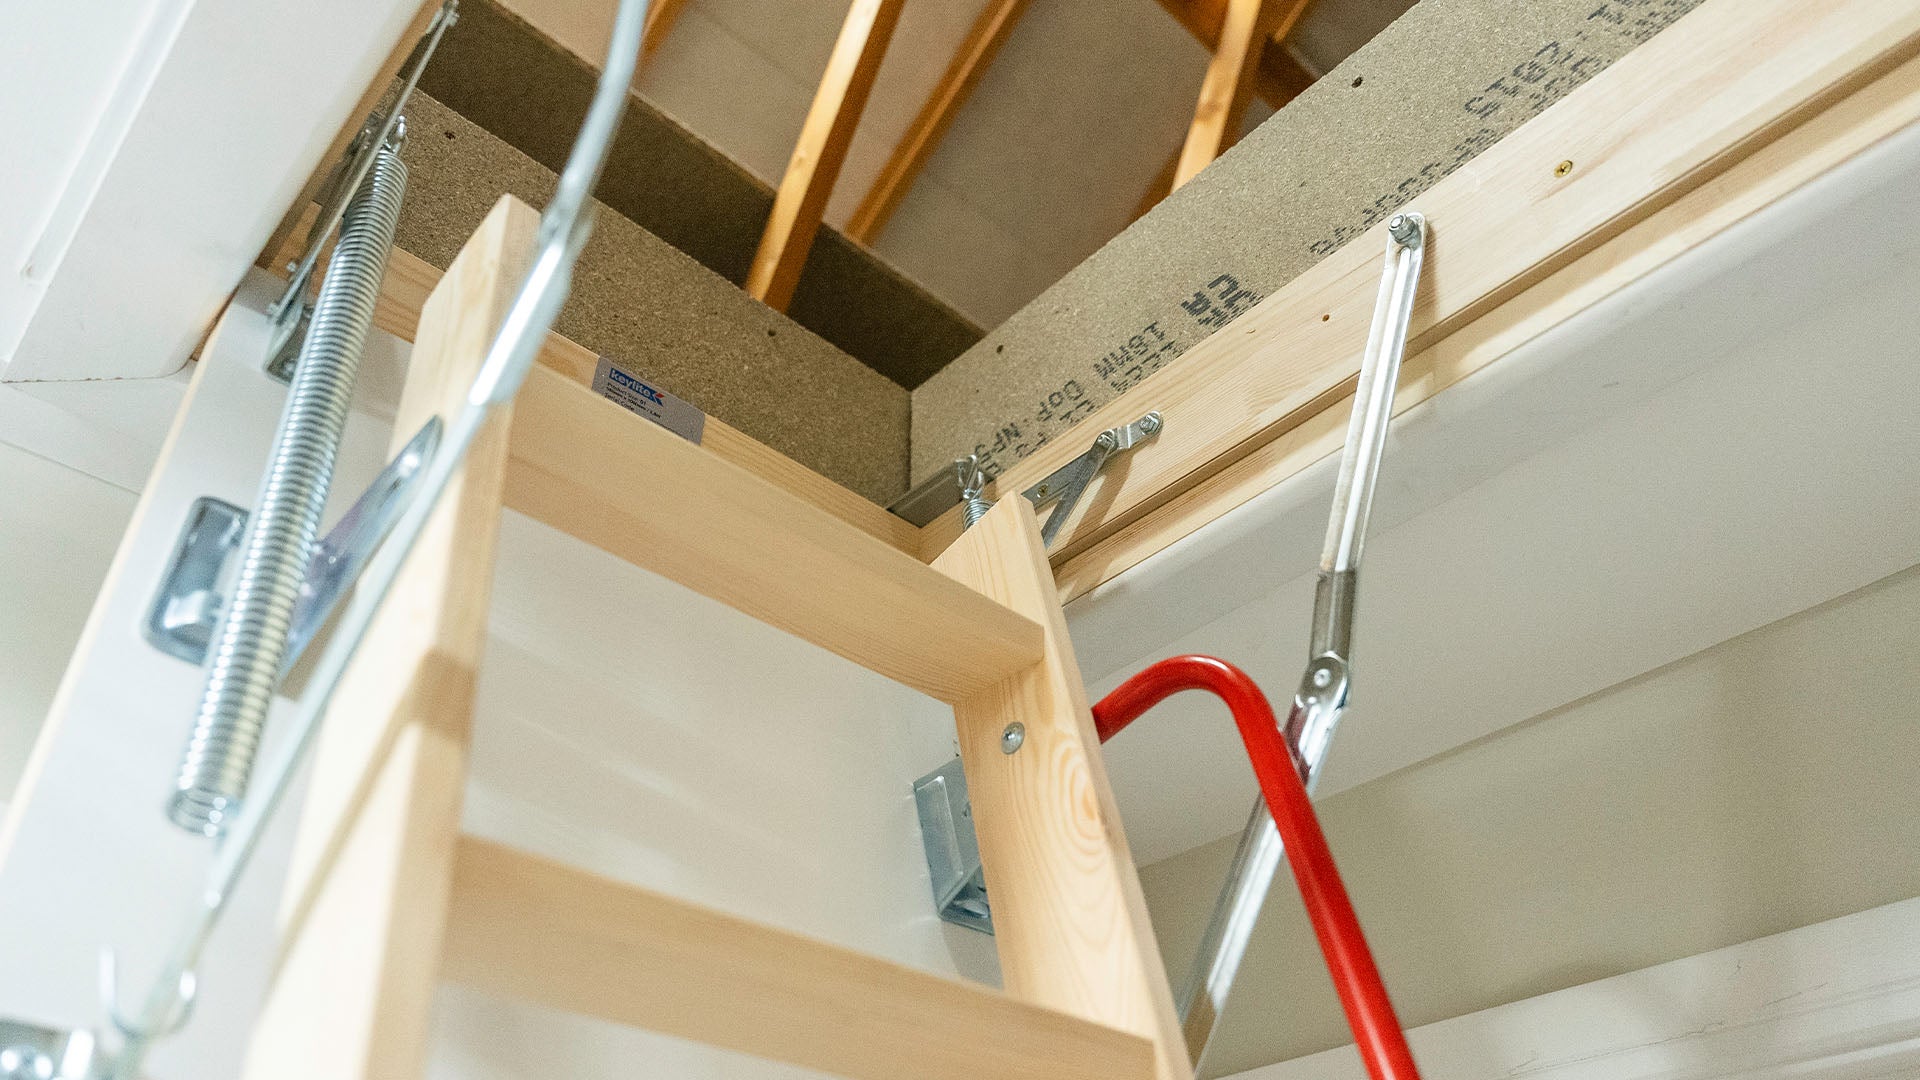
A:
{"points": [[1838, 1000]]}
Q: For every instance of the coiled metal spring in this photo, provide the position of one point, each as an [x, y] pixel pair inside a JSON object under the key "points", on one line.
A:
{"points": [[250, 646], [972, 478]]}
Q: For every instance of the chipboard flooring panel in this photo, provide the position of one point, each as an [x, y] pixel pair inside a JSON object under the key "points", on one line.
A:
{"points": [[656, 312], [1441, 84]]}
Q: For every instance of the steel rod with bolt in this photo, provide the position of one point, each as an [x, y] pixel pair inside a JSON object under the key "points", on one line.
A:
{"points": [[1322, 695]]}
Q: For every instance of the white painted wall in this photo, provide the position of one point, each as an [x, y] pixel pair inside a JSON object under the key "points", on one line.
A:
{"points": [[1835, 1001], [58, 532], [1768, 783]]}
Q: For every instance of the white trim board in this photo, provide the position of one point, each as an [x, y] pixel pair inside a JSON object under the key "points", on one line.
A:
{"points": [[1838, 1000]]}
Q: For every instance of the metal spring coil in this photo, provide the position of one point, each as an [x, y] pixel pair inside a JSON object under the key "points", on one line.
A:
{"points": [[251, 643], [976, 508]]}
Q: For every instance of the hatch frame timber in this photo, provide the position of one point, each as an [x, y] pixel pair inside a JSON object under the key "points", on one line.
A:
{"points": [[1726, 81], [404, 291]]}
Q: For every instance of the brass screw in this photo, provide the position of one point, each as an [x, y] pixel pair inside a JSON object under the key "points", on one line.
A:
{"points": [[1563, 168]]}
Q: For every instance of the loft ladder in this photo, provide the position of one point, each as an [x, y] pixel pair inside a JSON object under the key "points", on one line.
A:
{"points": [[386, 897]]}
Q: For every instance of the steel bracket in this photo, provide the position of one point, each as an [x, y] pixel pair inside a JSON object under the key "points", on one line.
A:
{"points": [[1066, 484], [953, 849], [198, 577]]}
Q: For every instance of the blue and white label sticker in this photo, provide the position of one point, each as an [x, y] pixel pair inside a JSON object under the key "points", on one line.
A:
{"points": [[637, 395]]}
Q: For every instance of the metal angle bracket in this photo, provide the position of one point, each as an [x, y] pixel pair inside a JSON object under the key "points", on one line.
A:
{"points": [[1066, 484], [953, 849], [198, 577]]}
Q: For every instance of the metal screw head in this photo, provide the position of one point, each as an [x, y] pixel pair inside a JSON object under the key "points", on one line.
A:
{"points": [[1405, 229], [1321, 677], [1563, 168], [1011, 738], [1150, 423]]}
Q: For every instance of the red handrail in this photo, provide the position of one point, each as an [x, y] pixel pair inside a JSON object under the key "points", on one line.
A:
{"points": [[1376, 1031]]}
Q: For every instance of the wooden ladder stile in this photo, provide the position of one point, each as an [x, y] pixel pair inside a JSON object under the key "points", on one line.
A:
{"points": [[387, 898]]}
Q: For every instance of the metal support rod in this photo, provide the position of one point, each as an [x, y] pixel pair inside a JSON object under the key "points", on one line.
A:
{"points": [[251, 644], [1322, 695], [564, 228], [1286, 809]]}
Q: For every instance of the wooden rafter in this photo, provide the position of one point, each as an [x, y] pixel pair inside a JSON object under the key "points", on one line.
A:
{"points": [[910, 155], [821, 150], [661, 16], [1277, 78], [1249, 30], [1547, 201], [1281, 76]]}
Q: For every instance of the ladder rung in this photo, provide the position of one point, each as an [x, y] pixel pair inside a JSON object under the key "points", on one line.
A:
{"points": [[521, 926], [589, 468]]}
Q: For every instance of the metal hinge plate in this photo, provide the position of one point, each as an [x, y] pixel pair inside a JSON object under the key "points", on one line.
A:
{"points": [[953, 849]]}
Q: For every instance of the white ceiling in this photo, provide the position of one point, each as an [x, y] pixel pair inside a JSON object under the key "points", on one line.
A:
{"points": [[152, 147]]}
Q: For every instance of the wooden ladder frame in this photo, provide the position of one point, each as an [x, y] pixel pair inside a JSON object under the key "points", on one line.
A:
{"points": [[387, 898]]}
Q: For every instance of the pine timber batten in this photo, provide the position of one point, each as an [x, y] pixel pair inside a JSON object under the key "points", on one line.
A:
{"points": [[1248, 30], [661, 15], [1280, 77], [1872, 113], [366, 902], [820, 151], [1663, 120], [1070, 920], [522, 927], [643, 493], [410, 278]]}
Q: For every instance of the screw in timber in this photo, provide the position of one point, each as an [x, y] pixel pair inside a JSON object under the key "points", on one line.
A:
{"points": [[1563, 168], [1011, 738]]}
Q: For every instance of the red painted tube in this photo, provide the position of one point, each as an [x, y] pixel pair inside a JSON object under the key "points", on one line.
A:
{"points": [[1376, 1030]]}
